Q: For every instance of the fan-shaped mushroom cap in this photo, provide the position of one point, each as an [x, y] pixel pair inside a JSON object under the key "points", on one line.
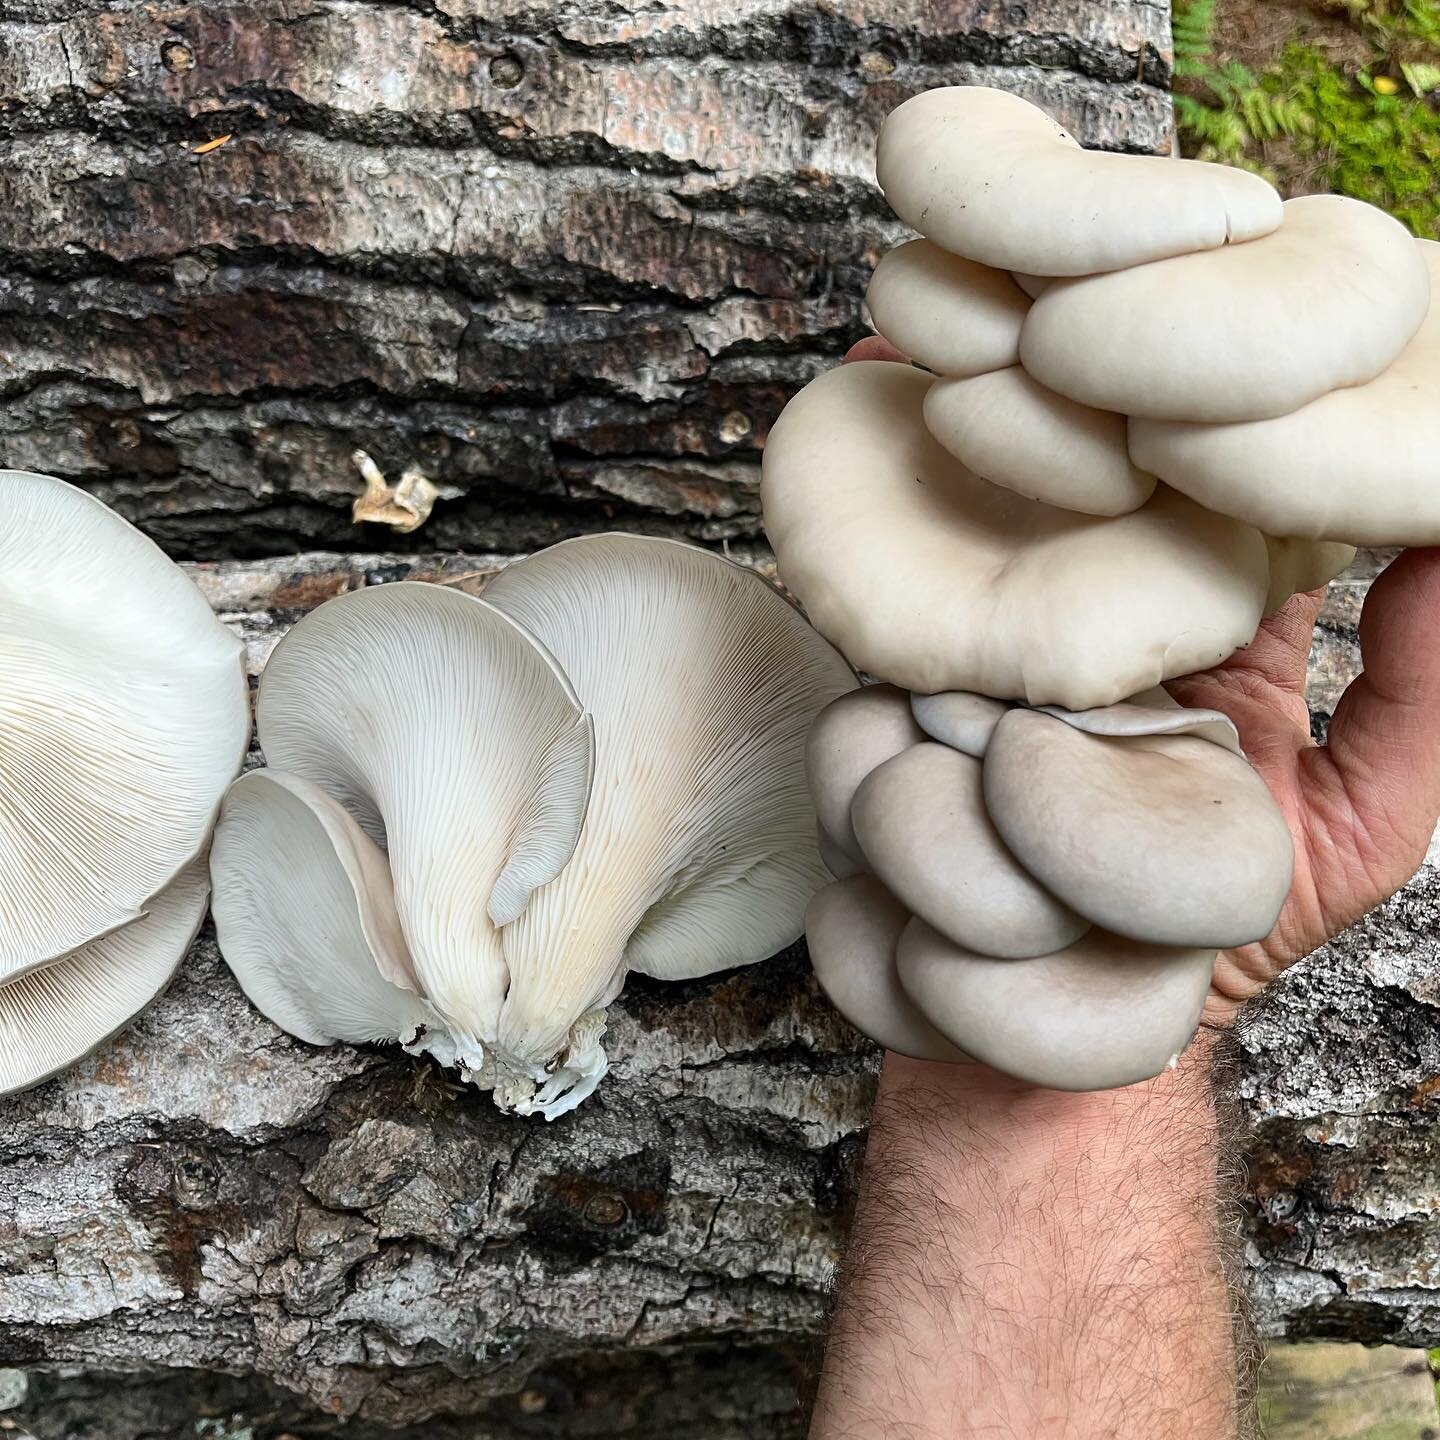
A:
{"points": [[850, 737], [1104, 1012], [305, 915], [921, 822], [958, 719], [1300, 565], [950, 314], [1244, 333], [56, 1014], [1166, 838], [927, 576], [698, 851], [1356, 465], [124, 714], [851, 928], [1009, 429], [1152, 712], [453, 738], [989, 176]]}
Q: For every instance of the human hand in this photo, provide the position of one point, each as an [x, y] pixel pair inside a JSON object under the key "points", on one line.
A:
{"points": [[1361, 807]]}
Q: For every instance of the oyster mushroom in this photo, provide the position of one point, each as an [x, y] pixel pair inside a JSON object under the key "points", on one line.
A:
{"points": [[931, 578], [698, 851], [989, 885], [124, 712], [305, 916], [485, 856], [1248, 332], [456, 743], [991, 177], [55, 1014], [1356, 465]]}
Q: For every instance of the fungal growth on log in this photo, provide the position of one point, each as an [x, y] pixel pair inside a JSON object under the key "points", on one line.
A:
{"points": [[124, 715], [1147, 403], [481, 814]]}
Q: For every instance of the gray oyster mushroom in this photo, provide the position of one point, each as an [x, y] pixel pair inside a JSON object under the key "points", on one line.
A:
{"points": [[124, 713], [1053, 906], [483, 813]]}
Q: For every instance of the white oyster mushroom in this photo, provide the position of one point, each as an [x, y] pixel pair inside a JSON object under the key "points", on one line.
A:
{"points": [[305, 916], [955, 317], [963, 721], [124, 714], [991, 177], [699, 847], [1357, 465], [55, 1014], [1248, 332], [457, 743], [1010, 430], [929, 577]]}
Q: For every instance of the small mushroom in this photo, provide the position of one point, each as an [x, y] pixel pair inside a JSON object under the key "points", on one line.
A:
{"points": [[1163, 837], [1247, 332], [1356, 465], [850, 737], [305, 915], [852, 928], [962, 721], [55, 1014], [1009, 429], [922, 825], [955, 317], [989, 176], [933, 579], [125, 712], [1102, 1013]]}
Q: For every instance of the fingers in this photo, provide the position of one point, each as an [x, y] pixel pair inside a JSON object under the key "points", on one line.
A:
{"points": [[1281, 648], [874, 347], [1384, 740]]}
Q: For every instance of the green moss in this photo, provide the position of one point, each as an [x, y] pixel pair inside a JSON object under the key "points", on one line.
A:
{"points": [[1371, 133]]}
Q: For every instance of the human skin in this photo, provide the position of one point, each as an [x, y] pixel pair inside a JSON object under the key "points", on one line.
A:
{"points": [[1030, 1263]]}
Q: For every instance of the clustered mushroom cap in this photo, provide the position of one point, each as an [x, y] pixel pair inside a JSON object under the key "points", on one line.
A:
{"points": [[124, 714], [1356, 465], [500, 806], [1051, 897], [989, 176]]}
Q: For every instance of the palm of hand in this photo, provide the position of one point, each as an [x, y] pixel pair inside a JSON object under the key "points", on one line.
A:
{"points": [[1363, 806]]}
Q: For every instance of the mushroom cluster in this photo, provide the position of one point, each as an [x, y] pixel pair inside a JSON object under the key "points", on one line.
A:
{"points": [[124, 715], [481, 813], [1147, 402]]}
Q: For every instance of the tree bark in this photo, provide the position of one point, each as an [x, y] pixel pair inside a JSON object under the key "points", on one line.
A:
{"points": [[568, 264]]}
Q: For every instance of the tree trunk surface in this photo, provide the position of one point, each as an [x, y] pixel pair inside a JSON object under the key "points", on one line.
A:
{"points": [[568, 261]]}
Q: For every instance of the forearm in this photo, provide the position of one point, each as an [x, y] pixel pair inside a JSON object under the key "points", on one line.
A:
{"points": [[1031, 1264]]}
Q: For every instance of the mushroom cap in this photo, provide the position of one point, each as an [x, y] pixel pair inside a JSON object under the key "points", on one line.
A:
{"points": [[929, 577], [453, 738], [958, 719], [1300, 565], [950, 314], [921, 822], [124, 713], [55, 1014], [1165, 838], [1009, 429], [989, 176], [1356, 465], [1152, 712], [1247, 332], [850, 737], [305, 915], [852, 928], [698, 851], [1102, 1013]]}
